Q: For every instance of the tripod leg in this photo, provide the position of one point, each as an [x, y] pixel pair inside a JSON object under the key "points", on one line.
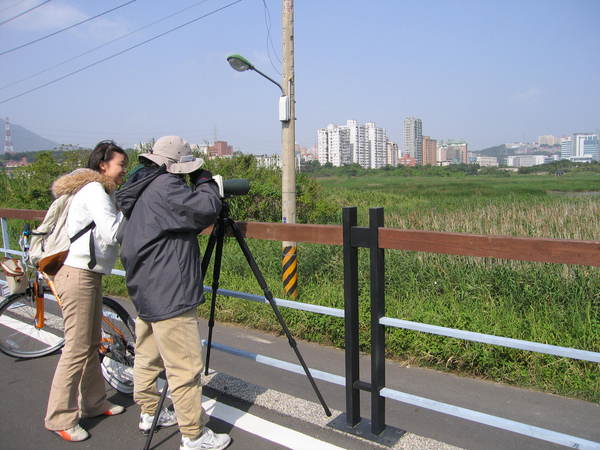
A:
{"points": [[163, 395], [269, 296], [208, 253], [220, 235]]}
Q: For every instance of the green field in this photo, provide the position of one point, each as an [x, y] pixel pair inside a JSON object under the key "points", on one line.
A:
{"points": [[547, 303]]}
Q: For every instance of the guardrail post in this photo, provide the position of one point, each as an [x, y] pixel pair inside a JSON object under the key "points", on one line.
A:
{"points": [[5, 238], [377, 330], [351, 318]]}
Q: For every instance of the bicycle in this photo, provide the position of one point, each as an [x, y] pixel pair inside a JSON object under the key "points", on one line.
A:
{"points": [[31, 324]]}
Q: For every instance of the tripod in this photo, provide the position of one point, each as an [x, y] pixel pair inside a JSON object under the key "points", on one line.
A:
{"points": [[217, 238]]}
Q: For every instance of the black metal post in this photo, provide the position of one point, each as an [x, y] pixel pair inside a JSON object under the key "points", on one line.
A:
{"points": [[377, 330], [351, 318]]}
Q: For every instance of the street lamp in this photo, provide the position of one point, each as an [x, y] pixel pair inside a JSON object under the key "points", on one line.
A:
{"points": [[241, 64], [288, 169]]}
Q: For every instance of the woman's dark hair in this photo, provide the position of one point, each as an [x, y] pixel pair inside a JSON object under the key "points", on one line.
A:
{"points": [[103, 152]]}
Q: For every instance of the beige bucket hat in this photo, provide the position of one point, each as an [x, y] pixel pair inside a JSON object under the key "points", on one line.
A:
{"points": [[175, 154]]}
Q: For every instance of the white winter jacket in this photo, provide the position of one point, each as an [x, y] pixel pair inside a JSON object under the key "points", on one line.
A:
{"points": [[93, 200]]}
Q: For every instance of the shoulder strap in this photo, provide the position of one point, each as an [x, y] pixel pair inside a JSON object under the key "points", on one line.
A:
{"points": [[90, 226]]}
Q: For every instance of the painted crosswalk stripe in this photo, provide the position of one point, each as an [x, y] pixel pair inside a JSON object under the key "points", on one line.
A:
{"points": [[250, 423]]}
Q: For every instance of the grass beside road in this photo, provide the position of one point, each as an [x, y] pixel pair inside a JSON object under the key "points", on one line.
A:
{"points": [[548, 303]]}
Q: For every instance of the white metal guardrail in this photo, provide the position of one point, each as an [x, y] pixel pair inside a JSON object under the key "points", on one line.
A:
{"points": [[566, 352]]}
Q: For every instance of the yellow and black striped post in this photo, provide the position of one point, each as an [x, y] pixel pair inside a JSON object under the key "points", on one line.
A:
{"points": [[289, 275]]}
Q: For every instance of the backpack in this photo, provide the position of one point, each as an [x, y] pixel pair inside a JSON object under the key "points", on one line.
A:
{"points": [[50, 242]]}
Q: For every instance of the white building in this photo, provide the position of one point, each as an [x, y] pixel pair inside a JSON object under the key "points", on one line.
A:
{"points": [[585, 145], [487, 161], [377, 145], [358, 143], [268, 161], [566, 147], [525, 160], [580, 147], [365, 145]]}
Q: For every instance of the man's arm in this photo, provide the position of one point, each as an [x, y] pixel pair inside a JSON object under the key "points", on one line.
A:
{"points": [[186, 208]]}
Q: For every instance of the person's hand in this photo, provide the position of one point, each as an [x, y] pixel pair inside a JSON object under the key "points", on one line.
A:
{"points": [[200, 176]]}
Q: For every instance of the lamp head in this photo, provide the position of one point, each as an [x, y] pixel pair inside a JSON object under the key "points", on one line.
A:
{"points": [[239, 63]]}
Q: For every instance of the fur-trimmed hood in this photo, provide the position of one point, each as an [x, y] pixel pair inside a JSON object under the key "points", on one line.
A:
{"points": [[72, 182]]}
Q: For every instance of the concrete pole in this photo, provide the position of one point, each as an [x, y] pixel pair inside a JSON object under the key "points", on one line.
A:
{"points": [[288, 156]]}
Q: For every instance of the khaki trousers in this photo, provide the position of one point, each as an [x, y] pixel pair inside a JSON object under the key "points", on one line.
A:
{"points": [[174, 345], [78, 385]]}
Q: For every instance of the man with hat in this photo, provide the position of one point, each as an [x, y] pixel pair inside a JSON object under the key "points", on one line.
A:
{"points": [[159, 249]]}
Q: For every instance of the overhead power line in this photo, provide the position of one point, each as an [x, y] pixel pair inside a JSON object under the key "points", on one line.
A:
{"points": [[114, 55], [270, 45], [23, 13], [65, 29], [87, 52], [6, 8]]}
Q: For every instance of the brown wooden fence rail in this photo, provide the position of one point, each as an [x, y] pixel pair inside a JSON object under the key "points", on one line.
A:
{"points": [[562, 251]]}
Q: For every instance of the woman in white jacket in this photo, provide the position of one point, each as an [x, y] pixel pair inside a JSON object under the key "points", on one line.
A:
{"points": [[78, 387]]}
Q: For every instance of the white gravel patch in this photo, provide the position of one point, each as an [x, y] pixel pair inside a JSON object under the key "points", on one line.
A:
{"points": [[304, 410]]}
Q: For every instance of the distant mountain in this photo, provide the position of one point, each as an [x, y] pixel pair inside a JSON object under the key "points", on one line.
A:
{"points": [[498, 151], [24, 140]]}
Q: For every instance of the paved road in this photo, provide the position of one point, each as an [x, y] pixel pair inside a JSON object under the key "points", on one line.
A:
{"points": [[258, 415], [25, 386]]}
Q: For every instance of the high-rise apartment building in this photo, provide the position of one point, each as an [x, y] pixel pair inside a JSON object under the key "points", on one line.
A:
{"points": [[358, 143], [391, 158], [413, 138], [365, 145], [429, 151], [377, 145], [333, 145]]}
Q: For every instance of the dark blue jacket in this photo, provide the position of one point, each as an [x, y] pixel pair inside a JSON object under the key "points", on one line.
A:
{"points": [[159, 246]]}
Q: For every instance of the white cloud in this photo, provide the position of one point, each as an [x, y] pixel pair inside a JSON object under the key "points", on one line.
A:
{"points": [[48, 17], [56, 15]]}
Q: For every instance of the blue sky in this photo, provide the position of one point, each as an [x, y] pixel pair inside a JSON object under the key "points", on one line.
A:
{"points": [[485, 71]]}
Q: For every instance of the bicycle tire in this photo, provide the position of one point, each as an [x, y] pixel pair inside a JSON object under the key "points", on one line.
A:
{"points": [[117, 347], [19, 337]]}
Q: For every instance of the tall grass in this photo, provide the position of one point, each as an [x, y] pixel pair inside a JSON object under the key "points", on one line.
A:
{"points": [[548, 303]]}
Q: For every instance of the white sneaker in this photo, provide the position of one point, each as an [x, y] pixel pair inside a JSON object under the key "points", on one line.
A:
{"points": [[208, 440], [73, 434], [166, 419]]}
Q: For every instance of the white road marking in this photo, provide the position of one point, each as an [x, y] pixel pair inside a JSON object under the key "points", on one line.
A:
{"points": [[30, 330], [250, 423], [257, 339]]}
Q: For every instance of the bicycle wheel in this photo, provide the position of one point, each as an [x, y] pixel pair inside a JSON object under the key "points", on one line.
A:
{"points": [[19, 335], [117, 347]]}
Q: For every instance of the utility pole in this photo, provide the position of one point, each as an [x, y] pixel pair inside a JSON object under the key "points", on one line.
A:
{"points": [[289, 260]]}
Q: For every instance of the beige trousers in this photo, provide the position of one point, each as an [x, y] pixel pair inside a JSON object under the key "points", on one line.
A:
{"points": [[174, 345], [78, 385]]}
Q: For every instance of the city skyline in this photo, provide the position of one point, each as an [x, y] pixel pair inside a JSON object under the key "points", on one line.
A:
{"points": [[485, 73]]}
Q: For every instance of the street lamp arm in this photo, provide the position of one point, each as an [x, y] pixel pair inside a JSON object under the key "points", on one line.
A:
{"points": [[268, 78]]}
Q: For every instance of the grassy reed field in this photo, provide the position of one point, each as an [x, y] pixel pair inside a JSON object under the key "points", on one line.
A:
{"points": [[548, 303]]}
